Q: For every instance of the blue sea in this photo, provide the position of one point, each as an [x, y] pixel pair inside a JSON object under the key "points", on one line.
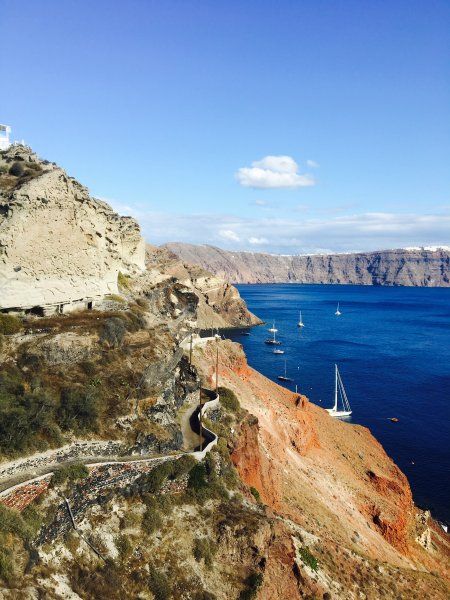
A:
{"points": [[392, 347]]}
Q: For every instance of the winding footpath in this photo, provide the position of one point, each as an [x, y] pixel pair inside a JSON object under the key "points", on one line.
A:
{"points": [[18, 491]]}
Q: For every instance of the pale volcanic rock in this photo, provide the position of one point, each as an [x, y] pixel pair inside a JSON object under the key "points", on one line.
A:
{"points": [[219, 303], [57, 243]]}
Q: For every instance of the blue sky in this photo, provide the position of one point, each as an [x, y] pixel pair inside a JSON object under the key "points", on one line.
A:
{"points": [[178, 112]]}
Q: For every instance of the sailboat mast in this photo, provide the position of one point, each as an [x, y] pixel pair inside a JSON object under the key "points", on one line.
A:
{"points": [[336, 388]]}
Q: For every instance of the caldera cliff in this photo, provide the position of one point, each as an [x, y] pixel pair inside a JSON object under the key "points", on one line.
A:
{"points": [[418, 267]]}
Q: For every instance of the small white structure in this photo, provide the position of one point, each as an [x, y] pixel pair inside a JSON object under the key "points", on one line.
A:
{"points": [[5, 130]]}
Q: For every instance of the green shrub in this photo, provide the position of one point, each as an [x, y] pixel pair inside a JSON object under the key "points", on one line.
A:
{"points": [[9, 324], [32, 519], [123, 546], [204, 549], [123, 281], [198, 478], [117, 298], [308, 558], [17, 169], [182, 466], [78, 409], [159, 584], [229, 400], [6, 565], [153, 481], [26, 418], [72, 472], [151, 520], [253, 583], [255, 494], [11, 521], [113, 332], [88, 367]]}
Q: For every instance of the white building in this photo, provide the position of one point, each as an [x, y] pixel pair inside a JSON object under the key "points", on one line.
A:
{"points": [[5, 130]]}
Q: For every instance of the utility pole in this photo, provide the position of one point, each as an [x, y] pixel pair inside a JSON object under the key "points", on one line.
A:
{"points": [[200, 420], [217, 362]]}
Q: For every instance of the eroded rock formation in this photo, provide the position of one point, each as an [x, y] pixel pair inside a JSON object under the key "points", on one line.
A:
{"points": [[58, 244]]}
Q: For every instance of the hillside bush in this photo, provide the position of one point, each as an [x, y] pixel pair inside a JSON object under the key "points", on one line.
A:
{"points": [[255, 494], [17, 169], [253, 583], [309, 559], [26, 417], [123, 281], [9, 324], [152, 520], [113, 332], [204, 550], [229, 400], [78, 409], [159, 584], [72, 472]]}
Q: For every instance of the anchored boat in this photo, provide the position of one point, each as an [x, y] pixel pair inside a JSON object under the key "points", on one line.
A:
{"points": [[273, 329], [273, 341], [285, 377], [339, 391]]}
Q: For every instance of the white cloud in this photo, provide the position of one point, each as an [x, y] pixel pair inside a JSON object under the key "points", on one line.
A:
{"points": [[261, 203], [255, 241], [273, 172], [300, 234], [228, 234], [312, 164]]}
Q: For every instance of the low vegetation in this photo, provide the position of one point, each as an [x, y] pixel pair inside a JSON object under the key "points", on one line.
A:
{"points": [[15, 530], [204, 550], [69, 473], [9, 324], [229, 400], [308, 558], [252, 583]]}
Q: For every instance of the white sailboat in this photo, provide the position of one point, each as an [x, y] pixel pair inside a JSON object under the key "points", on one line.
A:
{"points": [[300, 320], [277, 351], [339, 390], [273, 329], [338, 312], [273, 341], [284, 377]]}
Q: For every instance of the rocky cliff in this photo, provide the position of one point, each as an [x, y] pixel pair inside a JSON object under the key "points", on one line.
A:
{"points": [[430, 268], [219, 303], [57, 243]]}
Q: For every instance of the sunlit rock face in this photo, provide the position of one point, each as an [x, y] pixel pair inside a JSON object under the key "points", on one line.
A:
{"points": [[425, 267], [57, 243]]}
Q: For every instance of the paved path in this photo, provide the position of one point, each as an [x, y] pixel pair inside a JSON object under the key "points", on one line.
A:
{"points": [[15, 483]]}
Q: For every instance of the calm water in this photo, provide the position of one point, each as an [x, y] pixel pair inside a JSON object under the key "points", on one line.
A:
{"points": [[392, 346]]}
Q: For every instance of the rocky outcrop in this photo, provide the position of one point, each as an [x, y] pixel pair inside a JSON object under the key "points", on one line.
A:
{"points": [[421, 267], [58, 245], [219, 303]]}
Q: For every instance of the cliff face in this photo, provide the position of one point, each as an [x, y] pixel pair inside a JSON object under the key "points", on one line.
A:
{"points": [[335, 490], [388, 267], [58, 244], [219, 303]]}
